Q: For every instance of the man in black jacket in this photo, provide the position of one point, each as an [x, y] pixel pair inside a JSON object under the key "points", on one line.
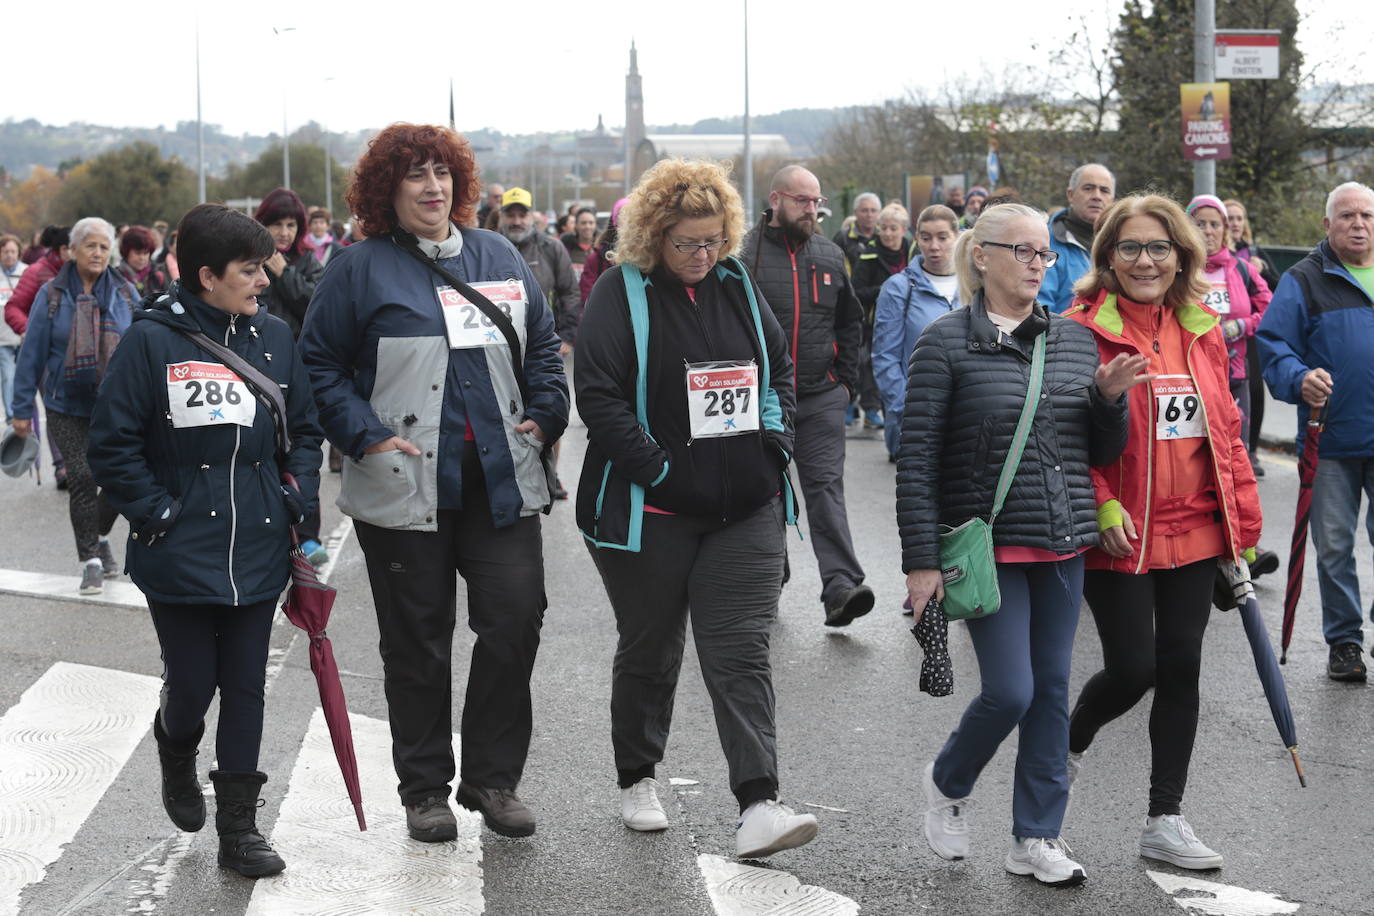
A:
{"points": [[803, 277]]}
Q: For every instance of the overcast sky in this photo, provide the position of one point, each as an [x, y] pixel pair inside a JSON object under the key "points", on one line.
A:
{"points": [[522, 66]]}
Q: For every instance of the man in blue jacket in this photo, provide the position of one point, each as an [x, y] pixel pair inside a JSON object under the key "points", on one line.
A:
{"points": [[1317, 348], [1092, 188]]}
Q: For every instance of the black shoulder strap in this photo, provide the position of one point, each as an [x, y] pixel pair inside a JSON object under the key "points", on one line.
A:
{"points": [[406, 242], [264, 389], [55, 291], [1245, 271]]}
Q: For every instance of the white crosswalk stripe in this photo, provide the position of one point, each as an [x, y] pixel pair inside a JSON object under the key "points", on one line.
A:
{"points": [[61, 747]]}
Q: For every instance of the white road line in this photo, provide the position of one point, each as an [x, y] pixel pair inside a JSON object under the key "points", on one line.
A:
{"points": [[61, 747], [737, 889], [332, 867], [1219, 899], [118, 592]]}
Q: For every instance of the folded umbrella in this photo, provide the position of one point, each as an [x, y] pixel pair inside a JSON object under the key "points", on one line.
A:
{"points": [[1297, 554], [1234, 589], [308, 605], [932, 632]]}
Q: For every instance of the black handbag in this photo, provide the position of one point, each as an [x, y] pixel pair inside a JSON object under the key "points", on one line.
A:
{"points": [[407, 243]]}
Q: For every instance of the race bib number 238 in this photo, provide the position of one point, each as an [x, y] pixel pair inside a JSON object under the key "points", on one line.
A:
{"points": [[208, 394]]}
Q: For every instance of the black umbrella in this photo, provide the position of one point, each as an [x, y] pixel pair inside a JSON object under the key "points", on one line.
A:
{"points": [[1234, 589], [932, 632]]}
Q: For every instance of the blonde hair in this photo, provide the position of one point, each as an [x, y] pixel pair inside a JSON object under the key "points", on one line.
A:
{"points": [[671, 191], [1188, 285], [937, 213], [1247, 236], [991, 222], [895, 213]]}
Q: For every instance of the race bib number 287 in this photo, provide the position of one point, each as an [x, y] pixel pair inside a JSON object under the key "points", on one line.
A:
{"points": [[208, 394], [722, 399]]}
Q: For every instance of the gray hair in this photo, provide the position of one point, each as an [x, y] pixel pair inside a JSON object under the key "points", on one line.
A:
{"points": [[1077, 175], [990, 223], [867, 195], [90, 224], [1341, 189]]}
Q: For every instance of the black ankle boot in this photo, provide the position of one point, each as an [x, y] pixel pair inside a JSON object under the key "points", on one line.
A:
{"points": [[181, 793], [241, 847]]}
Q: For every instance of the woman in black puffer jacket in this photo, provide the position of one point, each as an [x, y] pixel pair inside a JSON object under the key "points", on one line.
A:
{"points": [[969, 377]]}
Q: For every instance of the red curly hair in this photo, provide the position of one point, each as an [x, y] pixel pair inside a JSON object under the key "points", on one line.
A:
{"points": [[391, 153]]}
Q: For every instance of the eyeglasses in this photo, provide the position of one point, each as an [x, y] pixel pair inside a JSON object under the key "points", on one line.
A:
{"points": [[1158, 250], [1025, 253], [694, 247], [806, 201]]}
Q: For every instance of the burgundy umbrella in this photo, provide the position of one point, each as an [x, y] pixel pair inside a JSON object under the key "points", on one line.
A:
{"points": [[1297, 555], [308, 603]]}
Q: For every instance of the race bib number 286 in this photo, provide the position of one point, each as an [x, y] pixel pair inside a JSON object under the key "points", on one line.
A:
{"points": [[208, 394]]}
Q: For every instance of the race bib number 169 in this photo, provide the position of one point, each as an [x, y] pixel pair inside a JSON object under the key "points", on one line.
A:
{"points": [[207, 394]]}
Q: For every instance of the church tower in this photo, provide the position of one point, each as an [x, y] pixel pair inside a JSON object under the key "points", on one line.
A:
{"points": [[634, 119]]}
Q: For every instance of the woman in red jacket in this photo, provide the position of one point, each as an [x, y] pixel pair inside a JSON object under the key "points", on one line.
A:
{"points": [[1180, 498]]}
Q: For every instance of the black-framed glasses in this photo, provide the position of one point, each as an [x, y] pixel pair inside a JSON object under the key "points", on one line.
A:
{"points": [[694, 247], [1025, 253], [1129, 251], [806, 201]]}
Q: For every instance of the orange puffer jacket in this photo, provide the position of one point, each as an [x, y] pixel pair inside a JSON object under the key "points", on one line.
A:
{"points": [[1135, 480]]}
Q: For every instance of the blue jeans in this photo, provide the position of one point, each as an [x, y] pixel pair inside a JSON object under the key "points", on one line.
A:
{"points": [[892, 431], [1024, 652], [1335, 515], [8, 355]]}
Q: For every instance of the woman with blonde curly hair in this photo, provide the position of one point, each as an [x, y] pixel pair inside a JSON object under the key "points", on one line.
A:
{"points": [[684, 382]]}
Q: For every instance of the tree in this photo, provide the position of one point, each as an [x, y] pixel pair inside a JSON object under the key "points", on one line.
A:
{"points": [[264, 174], [129, 185], [27, 206]]}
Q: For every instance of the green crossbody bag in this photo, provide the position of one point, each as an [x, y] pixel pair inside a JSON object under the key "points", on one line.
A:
{"points": [[967, 564]]}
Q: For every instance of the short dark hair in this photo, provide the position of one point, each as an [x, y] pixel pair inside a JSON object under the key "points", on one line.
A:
{"points": [[582, 210], [54, 237], [213, 235]]}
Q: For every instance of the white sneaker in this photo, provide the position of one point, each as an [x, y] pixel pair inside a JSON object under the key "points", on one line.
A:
{"points": [[639, 807], [946, 826], [767, 827], [1170, 838], [1047, 860]]}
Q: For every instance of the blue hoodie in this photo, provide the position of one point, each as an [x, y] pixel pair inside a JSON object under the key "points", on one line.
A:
{"points": [[906, 304]]}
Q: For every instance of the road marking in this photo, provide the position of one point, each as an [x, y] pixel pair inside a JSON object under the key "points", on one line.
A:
{"points": [[61, 748], [1219, 899], [737, 889], [118, 593], [333, 867]]}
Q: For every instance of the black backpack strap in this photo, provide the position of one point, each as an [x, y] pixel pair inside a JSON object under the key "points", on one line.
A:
{"points": [[55, 291], [267, 392]]}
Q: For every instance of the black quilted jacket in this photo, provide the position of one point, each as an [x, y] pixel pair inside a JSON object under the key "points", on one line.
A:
{"points": [[963, 397], [814, 302]]}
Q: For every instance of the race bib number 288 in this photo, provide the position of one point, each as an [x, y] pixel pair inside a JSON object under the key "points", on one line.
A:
{"points": [[208, 394]]}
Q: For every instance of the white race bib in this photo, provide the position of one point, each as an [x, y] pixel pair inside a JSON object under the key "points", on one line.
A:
{"points": [[208, 394], [722, 399], [1218, 298], [1178, 411], [465, 323]]}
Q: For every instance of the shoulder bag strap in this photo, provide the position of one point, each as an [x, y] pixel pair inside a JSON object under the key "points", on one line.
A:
{"points": [[267, 392], [1023, 425], [406, 242]]}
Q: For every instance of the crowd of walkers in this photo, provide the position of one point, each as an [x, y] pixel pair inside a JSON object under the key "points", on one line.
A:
{"points": [[1072, 394]]}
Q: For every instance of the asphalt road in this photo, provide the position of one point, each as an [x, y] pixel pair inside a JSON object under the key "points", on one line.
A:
{"points": [[853, 733]]}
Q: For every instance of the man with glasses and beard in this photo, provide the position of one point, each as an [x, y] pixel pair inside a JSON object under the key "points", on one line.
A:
{"points": [[803, 277]]}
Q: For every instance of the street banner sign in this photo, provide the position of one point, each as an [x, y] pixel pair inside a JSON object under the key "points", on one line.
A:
{"points": [[1247, 55], [1206, 121]]}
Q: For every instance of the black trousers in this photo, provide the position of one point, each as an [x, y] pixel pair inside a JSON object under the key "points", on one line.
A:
{"points": [[91, 515], [415, 594], [214, 646], [1151, 628]]}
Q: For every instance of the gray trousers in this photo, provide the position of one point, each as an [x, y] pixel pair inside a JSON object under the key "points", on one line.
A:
{"points": [[727, 579], [819, 460]]}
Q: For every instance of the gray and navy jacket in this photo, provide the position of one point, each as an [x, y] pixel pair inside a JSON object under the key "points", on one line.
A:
{"points": [[814, 302], [1321, 318], [722, 478], [207, 520], [380, 365]]}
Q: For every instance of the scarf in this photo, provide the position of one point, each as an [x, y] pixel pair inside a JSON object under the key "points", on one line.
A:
{"points": [[91, 341], [1081, 230], [450, 247], [321, 245]]}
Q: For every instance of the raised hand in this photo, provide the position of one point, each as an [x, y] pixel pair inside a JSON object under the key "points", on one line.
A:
{"points": [[1124, 372]]}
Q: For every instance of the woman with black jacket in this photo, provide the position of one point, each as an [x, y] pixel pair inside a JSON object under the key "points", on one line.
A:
{"points": [[684, 382], [969, 378], [189, 455]]}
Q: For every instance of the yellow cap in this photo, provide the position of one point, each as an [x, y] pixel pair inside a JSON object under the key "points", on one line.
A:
{"points": [[517, 196]]}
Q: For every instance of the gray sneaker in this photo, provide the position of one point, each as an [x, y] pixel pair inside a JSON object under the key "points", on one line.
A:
{"points": [[92, 579], [1170, 838], [108, 561], [431, 821]]}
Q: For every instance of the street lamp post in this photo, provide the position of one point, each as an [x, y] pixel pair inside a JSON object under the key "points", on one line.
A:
{"points": [[748, 147], [200, 126], [285, 137], [328, 167]]}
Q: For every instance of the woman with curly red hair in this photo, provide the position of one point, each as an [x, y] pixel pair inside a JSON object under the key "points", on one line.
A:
{"points": [[442, 423]]}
